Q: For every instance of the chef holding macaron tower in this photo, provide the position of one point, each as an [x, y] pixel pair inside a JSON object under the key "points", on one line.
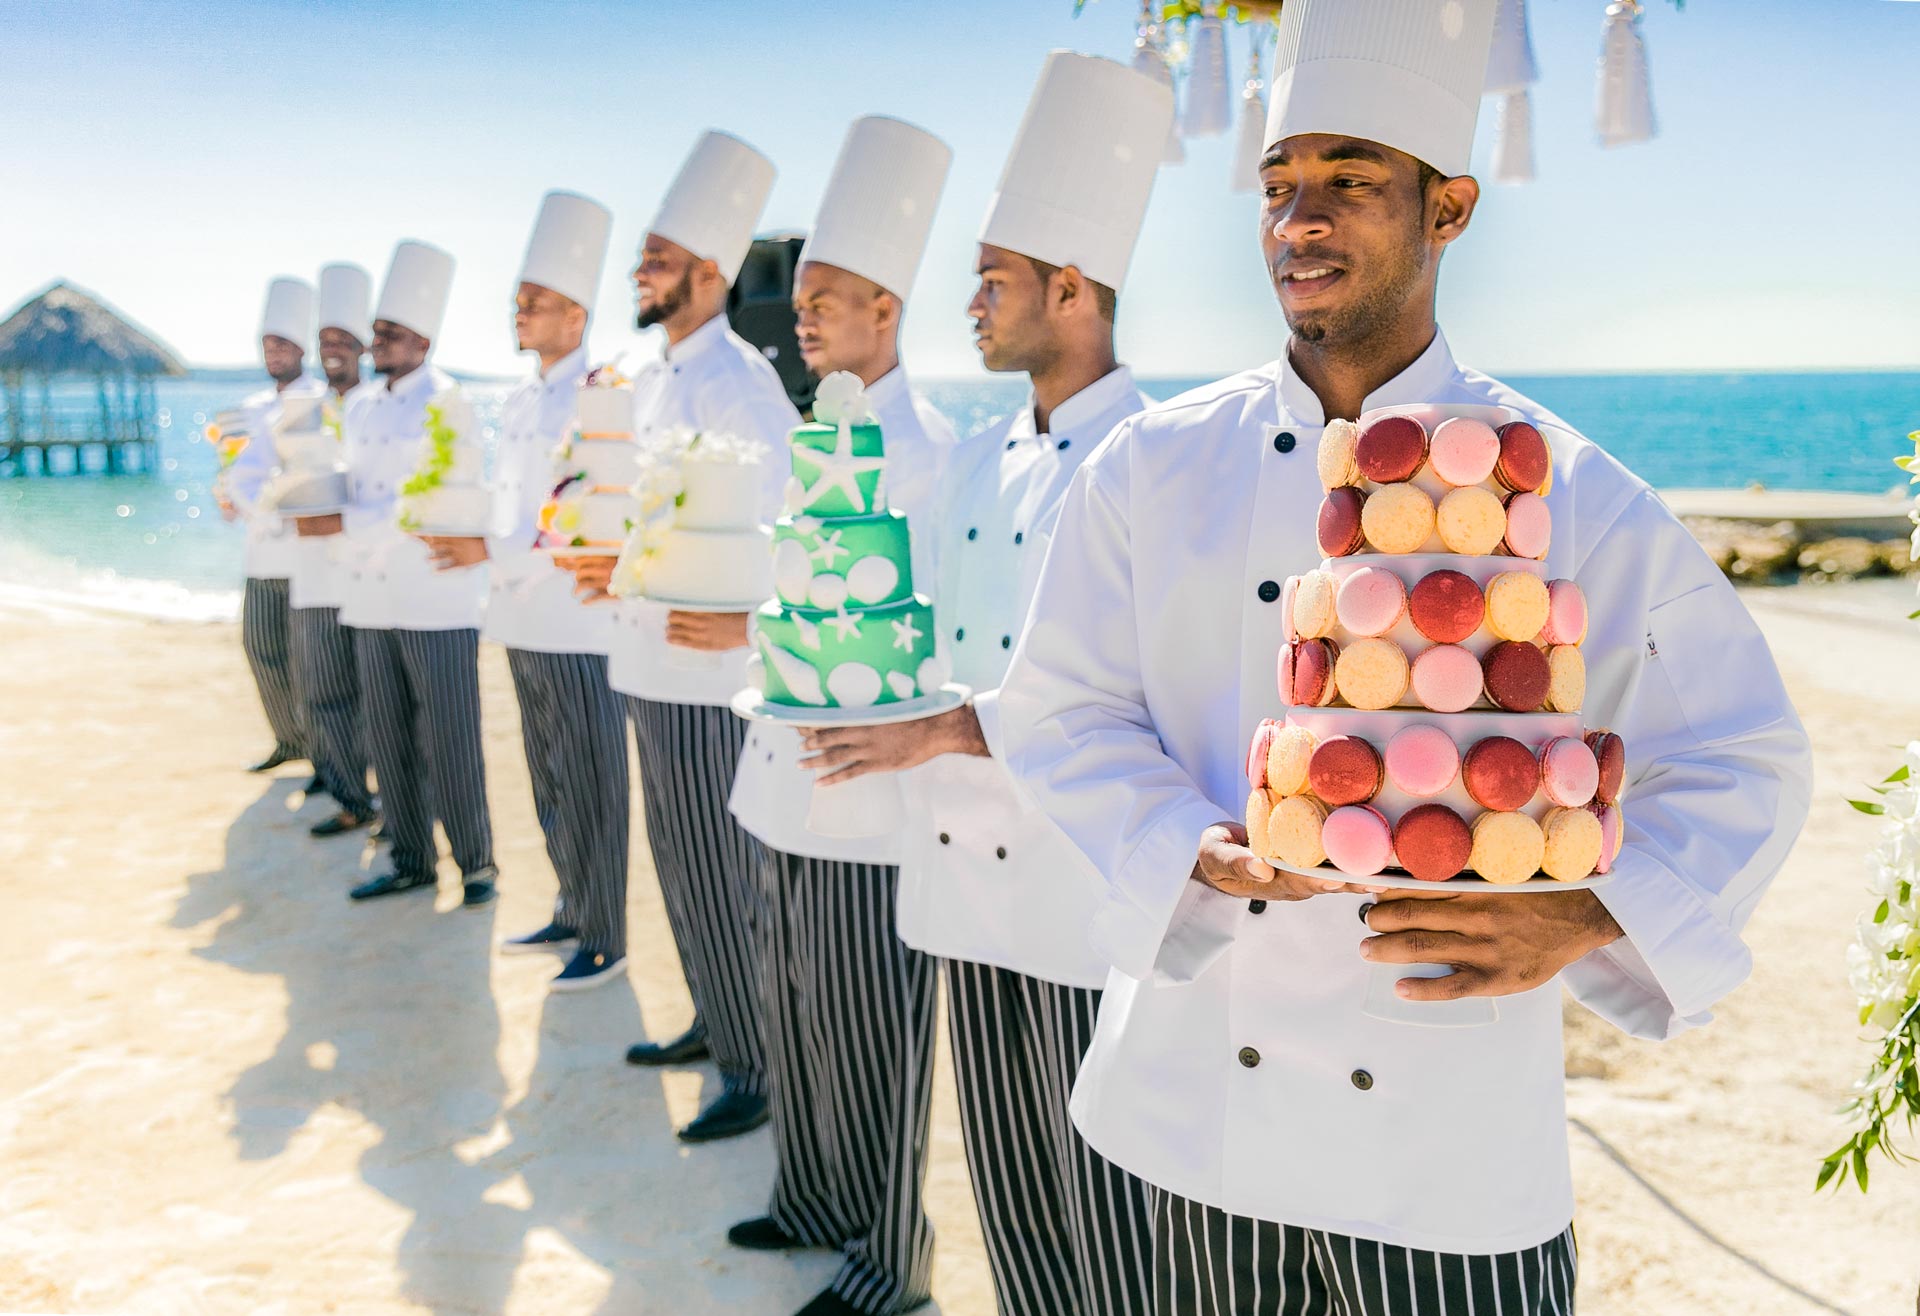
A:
{"points": [[1299, 1142]]}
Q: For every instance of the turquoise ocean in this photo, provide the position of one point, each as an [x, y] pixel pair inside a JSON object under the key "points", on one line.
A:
{"points": [[157, 545]]}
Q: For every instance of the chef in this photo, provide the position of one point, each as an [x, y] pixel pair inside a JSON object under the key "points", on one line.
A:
{"points": [[416, 630], [285, 326], [1384, 1167], [689, 740], [850, 1117], [571, 723], [323, 657], [987, 882]]}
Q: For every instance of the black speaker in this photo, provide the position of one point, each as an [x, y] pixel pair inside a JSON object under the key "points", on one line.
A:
{"points": [[760, 309]]}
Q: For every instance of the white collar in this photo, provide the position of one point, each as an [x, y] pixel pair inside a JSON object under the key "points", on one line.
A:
{"points": [[1089, 404], [1422, 381], [411, 382], [565, 369], [704, 339], [882, 391]]}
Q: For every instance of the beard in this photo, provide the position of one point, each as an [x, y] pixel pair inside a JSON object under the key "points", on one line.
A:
{"points": [[664, 306], [1373, 308]]}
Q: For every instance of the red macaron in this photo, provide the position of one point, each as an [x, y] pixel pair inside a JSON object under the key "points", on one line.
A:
{"points": [[1524, 460], [1345, 770], [1518, 676], [1611, 753], [1339, 527], [1306, 673], [1447, 606], [1501, 774], [1432, 842], [1391, 449]]}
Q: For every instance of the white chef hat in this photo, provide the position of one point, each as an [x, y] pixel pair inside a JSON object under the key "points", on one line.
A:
{"points": [[346, 293], [289, 311], [715, 200], [1075, 187], [880, 201], [415, 293], [568, 247], [1403, 73]]}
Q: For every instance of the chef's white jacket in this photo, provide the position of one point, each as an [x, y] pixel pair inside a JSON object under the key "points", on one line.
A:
{"points": [[390, 580], [985, 875], [717, 381], [771, 791], [319, 579], [270, 552], [531, 603], [1232, 1063]]}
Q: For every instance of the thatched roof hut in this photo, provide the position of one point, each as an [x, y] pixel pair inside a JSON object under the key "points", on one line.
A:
{"points": [[63, 334]]}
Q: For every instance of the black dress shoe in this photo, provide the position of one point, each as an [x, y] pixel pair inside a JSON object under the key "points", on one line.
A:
{"points": [[341, 823], [314, 786], [273, 760], [828, 1303], [730, 1115], [764, 1234], [476, 892], [391, 884], [682, 1050]]}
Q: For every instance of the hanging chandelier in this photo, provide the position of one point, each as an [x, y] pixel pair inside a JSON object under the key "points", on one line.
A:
{"points": [[1184, 43]]}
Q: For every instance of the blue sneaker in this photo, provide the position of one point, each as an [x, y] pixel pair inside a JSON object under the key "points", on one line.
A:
{"points": [[588, 968], [556, 937]]}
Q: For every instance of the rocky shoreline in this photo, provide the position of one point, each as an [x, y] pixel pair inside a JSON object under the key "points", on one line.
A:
{"points": [[1783, 552]]}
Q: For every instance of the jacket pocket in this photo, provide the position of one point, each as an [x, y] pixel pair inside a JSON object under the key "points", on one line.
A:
{"points": [[1712, 657]]}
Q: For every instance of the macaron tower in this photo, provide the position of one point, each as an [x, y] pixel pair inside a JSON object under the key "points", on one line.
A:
{"points": [[1432, 675]]}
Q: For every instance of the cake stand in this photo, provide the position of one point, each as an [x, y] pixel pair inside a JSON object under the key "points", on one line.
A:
{"points": [[870, 805], [1382, 1002]]}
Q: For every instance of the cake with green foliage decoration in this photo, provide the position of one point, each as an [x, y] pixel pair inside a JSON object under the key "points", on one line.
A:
{"points": [[845, 628], [446, 494]]}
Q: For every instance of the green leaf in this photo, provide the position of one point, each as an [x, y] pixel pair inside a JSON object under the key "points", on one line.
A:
{"points": [[1914, 615], [1827, 1169], [1867, 806], [1860, 1166], [1880, 914], [1898, 774]]}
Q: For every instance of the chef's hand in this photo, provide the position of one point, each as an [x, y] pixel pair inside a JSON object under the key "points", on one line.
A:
{"points": [[592, 573], [453, 552], [318, 527], [1229, 867], [709, 632], [843, 753], [1497, 945]]}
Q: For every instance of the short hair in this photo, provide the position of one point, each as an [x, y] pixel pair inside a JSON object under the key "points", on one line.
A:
{"points": [[1105, 299], [1426, 175]]}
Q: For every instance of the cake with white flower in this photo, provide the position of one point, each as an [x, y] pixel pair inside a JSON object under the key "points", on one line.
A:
{"points": [[447, 494], [313, 473], [595, 468], [845, 629], [696, 535]]}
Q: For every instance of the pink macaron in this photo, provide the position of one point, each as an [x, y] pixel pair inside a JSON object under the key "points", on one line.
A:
{"points": [[1566, 614], [1464, 451], [1569, 773], [1611, 836], [1357, 840], [1447, 679], [1422, 760], [1257, 752], [1371, 601], [1529, 526]]}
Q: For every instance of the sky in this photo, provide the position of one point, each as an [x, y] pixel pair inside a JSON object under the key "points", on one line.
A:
{"points": [[172, 156]]}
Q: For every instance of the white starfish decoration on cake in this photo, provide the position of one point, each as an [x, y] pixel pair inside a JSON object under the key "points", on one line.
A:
{"points": [[827, 549], [839, 469], [846, 625], [905, 633]]}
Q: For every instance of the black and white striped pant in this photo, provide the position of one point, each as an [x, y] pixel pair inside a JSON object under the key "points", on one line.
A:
{"points": [[850, 1044], [422, 692], [705, 863], [575, 733], [1209, 1263], [326, 674], [1068, 1232], [263, 634]]}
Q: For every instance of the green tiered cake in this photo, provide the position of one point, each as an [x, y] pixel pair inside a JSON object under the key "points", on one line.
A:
{"points": [[846, 630]]}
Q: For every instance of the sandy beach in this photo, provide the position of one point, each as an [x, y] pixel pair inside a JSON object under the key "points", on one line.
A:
{"points": [[228, 1091]]}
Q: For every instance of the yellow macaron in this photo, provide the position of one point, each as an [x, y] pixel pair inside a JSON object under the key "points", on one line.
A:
{"points": [[1288, 759], [1472, 521], [1398, 518], [1507, 848], [1293, 830], [1572, 844], [1259, 810], [1371, 674], [1314, 595], [1338, 443], [1566, 679], [1517, 605]]}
